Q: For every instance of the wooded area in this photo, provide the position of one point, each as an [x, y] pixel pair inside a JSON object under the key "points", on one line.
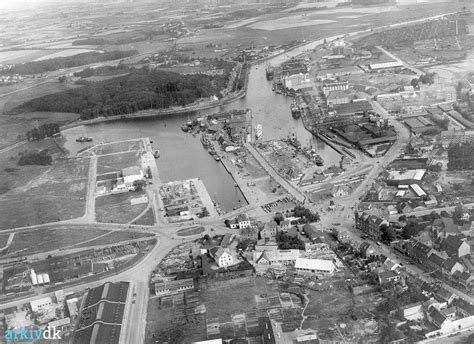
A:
{"points": [[56, 63], [141, 89]]}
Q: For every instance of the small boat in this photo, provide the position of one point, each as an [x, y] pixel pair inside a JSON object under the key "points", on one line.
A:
{"points": [[84, 139], [156, 154], [184, 128], [217, 158]]}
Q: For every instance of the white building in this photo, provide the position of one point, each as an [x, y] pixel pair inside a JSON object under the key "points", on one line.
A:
{"points": [[223, 258], [314, 265], [41, 305], [131, 174], [243, 221]]}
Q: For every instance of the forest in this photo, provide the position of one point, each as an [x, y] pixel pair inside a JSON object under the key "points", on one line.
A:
{"points": [[141, 89], [37, 67], [44, 130]]}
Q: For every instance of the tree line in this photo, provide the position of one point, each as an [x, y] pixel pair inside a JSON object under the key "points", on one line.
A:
{"points": [[141, 89], [103, 70], [44, 130], [56, 63]]}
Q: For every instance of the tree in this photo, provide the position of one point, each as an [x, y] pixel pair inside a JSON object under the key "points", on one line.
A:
{"points": [[205, 212], [279, 218], [414, 83], [410, 230], [139, 184], [388, 233], [444, 213], [402, 218]]}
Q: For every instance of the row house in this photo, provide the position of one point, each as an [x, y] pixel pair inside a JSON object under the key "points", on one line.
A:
{"points": [[241, 221], [418, 251], [269, 230], [464, 279], [370, 224]]}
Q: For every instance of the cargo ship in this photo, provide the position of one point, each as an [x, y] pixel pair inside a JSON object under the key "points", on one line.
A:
{"points": [[295, 111], [84, 139], [269, 72]]}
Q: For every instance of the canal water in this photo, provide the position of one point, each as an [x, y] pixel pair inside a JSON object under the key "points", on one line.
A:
{"points": [[182, 155]]}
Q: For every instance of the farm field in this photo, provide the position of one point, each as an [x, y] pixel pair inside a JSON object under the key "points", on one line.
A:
{"points": [[116, 208]]}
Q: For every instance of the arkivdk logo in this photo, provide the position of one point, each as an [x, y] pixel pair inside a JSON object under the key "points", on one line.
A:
{"points": [[32, 333]]}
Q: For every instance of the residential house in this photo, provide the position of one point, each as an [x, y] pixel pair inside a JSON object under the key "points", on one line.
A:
{"points": [[278, 257], [177, 210], [385, 277], [413, 311], [450, 266], [456, 245], [285, 225], [366, 249], [249, 233], [466, 279], [222, 256], [304, 265], [436, 318], [369, 224], [340, 191], [435, 261], [374, 193], [243, 221], [445, 295], [269, 231], [173, 287], [312, 233]]}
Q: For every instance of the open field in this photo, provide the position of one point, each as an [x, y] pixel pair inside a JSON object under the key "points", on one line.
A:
{"points": [[48, 239], [116, 208], [4, 239], [57, 194], [117, 147], [117, 162], [147, 219], [114, 237]]}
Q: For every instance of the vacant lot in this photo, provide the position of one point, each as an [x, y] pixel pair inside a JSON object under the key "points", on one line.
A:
{"points": [[147, 219], [114, 237], [117, 162], [57, 194], [190, 231], [116, 208], [117, 147], [48, 239]]}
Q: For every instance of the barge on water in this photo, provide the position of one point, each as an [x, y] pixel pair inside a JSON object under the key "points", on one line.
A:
{"points": [[84, 139]]}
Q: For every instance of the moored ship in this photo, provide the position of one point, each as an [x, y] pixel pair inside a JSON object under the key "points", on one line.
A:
{"points": [[295, 111], [84, 139]]}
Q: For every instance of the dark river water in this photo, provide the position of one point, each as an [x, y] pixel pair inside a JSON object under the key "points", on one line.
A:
{"points": [[182, 155]]}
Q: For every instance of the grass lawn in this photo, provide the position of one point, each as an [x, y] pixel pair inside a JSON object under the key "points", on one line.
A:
{"points": [[118, 147], [147, 219], [117, 162], [115, 237], [47, 239], [116, 208]]}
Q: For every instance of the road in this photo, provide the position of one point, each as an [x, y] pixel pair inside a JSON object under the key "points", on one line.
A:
{"points": [[89, 215]]}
